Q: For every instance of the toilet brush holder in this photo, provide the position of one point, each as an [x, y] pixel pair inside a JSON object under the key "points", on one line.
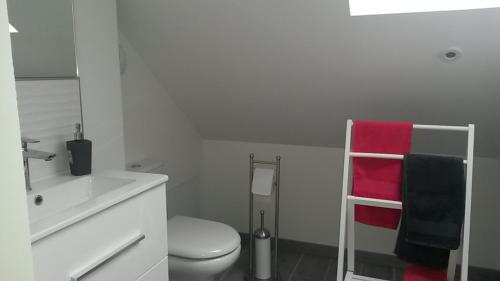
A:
{"points": [[262, 238]]}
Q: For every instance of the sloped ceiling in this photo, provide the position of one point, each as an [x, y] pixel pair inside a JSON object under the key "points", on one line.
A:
{"points": [[293, 71]]}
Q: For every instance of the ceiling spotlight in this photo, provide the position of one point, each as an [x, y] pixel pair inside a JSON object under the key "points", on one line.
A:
{"points": [[451, 54]]}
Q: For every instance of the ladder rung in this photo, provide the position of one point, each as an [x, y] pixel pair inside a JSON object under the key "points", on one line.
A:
{"points": [[380, 155], [373, 202], [439, 127]]}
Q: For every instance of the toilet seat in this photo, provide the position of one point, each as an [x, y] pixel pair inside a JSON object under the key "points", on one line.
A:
{"points": [[192, 238]]}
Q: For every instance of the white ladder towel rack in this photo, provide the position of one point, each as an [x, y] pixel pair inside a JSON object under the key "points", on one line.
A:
{"points": [[348, 201]]}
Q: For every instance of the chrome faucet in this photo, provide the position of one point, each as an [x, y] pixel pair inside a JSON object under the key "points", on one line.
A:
{"points": [[34, 154]]}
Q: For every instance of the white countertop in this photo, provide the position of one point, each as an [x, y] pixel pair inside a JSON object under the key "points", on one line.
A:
{"points": [[129, 184]]}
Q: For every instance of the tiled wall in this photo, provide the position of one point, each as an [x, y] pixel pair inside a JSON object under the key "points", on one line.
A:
{"points": [[48, 111]]}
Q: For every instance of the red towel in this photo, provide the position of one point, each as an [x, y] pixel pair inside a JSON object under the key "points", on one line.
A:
{"points": [[420, 273], [379, 178]]}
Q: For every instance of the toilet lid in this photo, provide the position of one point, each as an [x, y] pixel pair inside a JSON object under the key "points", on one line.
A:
{"points": [[200, 239]]}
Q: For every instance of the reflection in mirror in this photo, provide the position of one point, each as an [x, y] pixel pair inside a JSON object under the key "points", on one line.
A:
{"points": [[48, 89], [48, 112], [44, 44]]}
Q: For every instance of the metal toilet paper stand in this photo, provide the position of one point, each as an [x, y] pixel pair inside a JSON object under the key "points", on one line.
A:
{"points": [[250, 276]]}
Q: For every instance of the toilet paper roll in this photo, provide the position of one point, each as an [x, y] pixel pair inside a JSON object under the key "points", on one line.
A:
{"points": [[263, 180]]}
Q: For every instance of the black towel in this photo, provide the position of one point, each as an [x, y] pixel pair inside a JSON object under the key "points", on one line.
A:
{"points": [[433, 209]]}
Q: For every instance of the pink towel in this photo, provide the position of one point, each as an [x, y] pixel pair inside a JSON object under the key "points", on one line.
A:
{"points": [[379, 178], [420, 273]]}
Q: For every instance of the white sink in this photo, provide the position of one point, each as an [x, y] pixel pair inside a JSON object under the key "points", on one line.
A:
{"points": [[62, 201], [68, 194]]}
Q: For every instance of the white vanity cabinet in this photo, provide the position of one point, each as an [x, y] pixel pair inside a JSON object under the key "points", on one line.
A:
{"points": [[124, 242]]}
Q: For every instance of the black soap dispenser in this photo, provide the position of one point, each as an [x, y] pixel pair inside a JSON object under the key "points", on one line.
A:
{"points": [[80, 153]]}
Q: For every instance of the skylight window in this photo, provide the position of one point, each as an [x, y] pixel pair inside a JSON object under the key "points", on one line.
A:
{"points": [[12, 29], [378, 7]]}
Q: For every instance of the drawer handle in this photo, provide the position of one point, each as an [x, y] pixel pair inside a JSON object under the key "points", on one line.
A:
{"points": [[106, 258]]}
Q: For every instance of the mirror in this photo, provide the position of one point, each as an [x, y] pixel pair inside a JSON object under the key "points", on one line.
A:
{"points": [[44, 44], [48, 89]]}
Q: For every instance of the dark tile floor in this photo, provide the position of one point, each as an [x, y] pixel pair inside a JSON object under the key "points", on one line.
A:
{"points": [[309, 262], [296, 266]]}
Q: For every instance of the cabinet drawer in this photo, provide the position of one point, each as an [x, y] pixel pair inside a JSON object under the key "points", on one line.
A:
{"points": [[118, 244]]}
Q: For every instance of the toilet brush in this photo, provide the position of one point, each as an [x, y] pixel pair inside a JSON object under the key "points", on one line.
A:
{"points": [[262, 251]]}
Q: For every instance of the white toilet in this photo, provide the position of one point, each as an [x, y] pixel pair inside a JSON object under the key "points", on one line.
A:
{"points": [[198, 249]]}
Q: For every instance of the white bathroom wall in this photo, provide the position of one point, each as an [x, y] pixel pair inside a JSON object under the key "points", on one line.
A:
{"points": [[96, 35], [15, 254], [485, 222], [310, 196], [155, 128], [48, 111], [292, 71]]}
